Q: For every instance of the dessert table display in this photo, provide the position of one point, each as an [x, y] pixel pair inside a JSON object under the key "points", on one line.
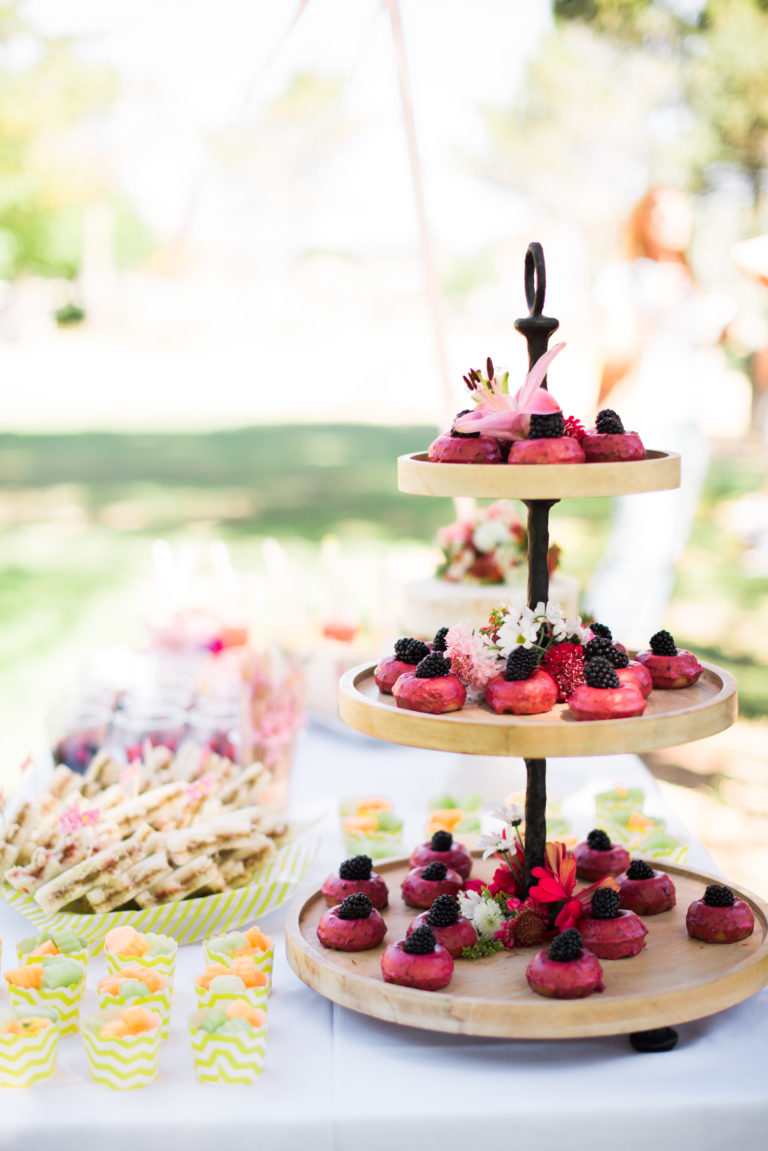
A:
{"points": [[338, 1080]]}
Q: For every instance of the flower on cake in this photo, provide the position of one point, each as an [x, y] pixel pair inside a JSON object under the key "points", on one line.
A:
{"points": [[487, 546]]}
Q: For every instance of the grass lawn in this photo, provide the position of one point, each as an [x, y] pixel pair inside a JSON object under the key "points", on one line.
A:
{"points": [[79, 513]]}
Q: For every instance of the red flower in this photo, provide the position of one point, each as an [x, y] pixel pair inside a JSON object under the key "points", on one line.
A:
{"points": [[478, 885], [503, 880], [575, 428], [557, 882], [506, 934]]}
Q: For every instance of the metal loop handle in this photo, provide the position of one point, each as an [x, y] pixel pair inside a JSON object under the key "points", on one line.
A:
{"points": [[535, 278]]}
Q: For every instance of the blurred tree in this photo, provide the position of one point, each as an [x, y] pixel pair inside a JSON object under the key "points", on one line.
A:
{"points": [[722, 50], [727, 87], [48, 171], [587, 125]]}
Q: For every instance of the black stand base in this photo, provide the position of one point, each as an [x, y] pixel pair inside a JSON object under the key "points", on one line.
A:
{"points": [[659, 1039]]}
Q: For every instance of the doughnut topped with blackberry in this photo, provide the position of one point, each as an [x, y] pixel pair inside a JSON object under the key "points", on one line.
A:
{"points": [[356, 876], [523, 688], [602, 696], [452, 929], [430, 687], [719, 917], [610, 931], [419, 961], [597, 857], [609, 440], [644, 890], [565, 969], [352, 925], [670, 667], [442, 848], [422, 885], [408, 654]]}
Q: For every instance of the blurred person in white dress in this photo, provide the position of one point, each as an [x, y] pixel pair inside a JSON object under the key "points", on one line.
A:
{"points": [[657, 330]]}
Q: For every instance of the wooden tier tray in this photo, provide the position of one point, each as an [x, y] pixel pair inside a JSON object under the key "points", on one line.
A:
{"points": [[673, 980], [657, 472], [671, 717]]}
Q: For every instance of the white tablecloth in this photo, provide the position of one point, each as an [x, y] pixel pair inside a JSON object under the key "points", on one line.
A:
{"points": [[337, 1080]]}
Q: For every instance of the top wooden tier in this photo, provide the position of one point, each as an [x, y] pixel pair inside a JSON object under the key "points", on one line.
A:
{"points": [[659, 471]]}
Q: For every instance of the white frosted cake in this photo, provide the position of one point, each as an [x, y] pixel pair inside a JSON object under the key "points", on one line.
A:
{"points": [[429, 604]]}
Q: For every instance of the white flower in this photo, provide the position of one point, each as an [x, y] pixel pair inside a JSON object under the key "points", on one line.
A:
{"points": [[518, 630], [487, 919], [494, 841], [511, 814], [468, 901]]}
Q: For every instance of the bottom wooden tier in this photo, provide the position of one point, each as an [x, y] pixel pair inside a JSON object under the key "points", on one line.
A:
{"points": [[675, 979]]}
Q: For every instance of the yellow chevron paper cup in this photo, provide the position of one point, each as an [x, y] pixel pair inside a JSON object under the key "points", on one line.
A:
{"points": [[165, 964], [263, 959], [256, 996], [64, 1000], [125, 1063], [24, 959], [229, 1058], [28, 1059], [159, 1001]]}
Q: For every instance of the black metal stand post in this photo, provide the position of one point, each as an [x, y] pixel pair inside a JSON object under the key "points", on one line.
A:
{"points": [[537, 328]]}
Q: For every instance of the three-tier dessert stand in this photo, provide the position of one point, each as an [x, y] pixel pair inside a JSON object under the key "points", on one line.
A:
{"points": [[674, 979]]}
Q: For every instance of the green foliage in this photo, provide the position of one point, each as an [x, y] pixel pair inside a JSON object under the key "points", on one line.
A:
{"points": [[482, 949], [723, 61], [47, 174], [727, 85]]}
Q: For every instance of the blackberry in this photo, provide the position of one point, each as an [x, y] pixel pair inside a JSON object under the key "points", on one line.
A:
{"points": [[618, 658], [599, 673], [662, 643], [441, 841], [566, 946], [600, 645], [410, 650], [435, 871], [355, 907], [420, 942], [608, 423], [463, 435], [601, 630], [359, 867], [521, 663], [639, 869], [438, 643], [717, 895], [599, 840], [606, 903], [433, 665], [444, 911], [546, 427]]}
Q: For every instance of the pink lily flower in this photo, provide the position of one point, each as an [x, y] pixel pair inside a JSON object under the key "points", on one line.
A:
{"points": [[505, 417]]}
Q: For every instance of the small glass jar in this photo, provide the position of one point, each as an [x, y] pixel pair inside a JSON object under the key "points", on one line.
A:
{"points": [[137, 725]]}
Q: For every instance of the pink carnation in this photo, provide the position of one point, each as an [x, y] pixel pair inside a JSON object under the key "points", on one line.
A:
{"points": [[471, 660]]}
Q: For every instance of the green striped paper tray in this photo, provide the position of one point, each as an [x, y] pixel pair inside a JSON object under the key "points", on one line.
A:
{"points": [[189, 920]]}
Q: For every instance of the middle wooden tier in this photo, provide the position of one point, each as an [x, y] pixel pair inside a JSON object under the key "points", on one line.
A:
{"points": [[671, 717]]}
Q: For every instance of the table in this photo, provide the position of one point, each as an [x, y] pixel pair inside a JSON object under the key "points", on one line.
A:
{"points": [[337, 1081]]}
